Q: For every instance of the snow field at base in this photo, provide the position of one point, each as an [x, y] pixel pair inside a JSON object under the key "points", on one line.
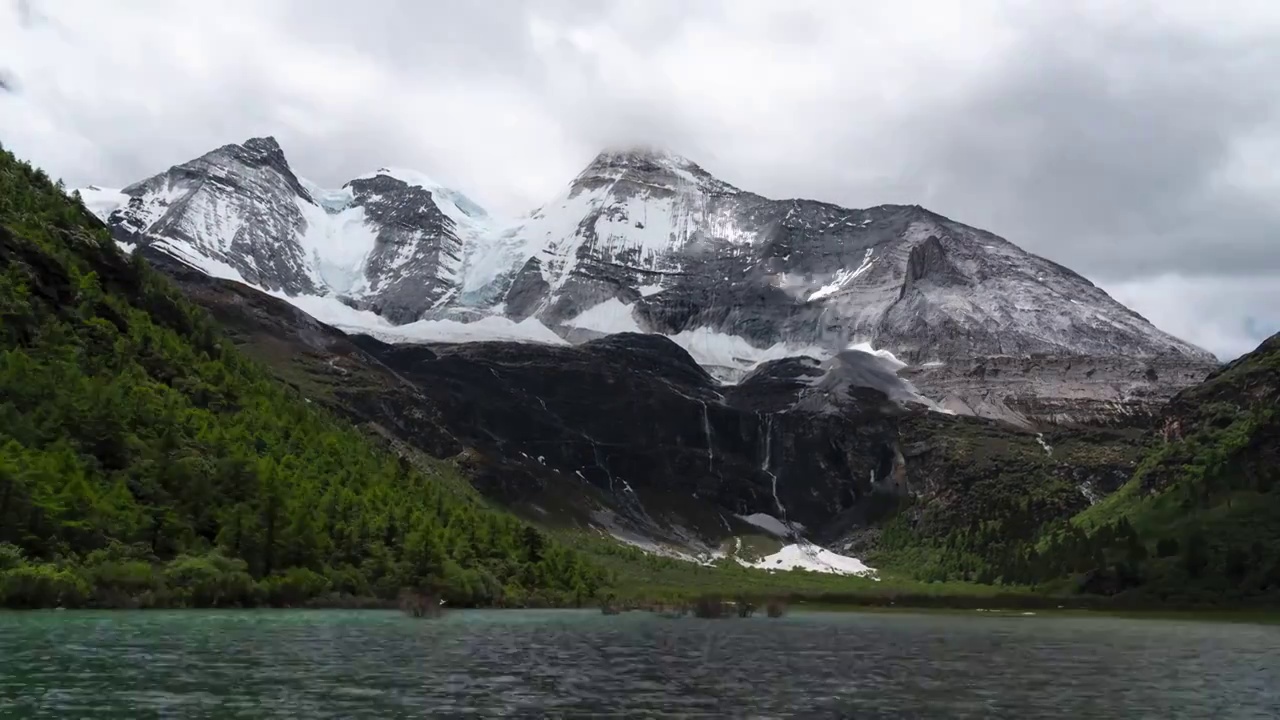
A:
{"points": [[805, 556], [795, 556]]}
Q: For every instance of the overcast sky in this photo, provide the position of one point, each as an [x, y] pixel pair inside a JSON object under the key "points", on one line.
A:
{"points": [[1136, 142]]}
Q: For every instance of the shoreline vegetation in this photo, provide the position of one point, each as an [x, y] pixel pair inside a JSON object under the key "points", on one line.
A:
{"points": [[216, 582]]}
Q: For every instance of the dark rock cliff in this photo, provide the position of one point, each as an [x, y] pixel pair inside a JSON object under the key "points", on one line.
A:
{"points": [[629, 423]]}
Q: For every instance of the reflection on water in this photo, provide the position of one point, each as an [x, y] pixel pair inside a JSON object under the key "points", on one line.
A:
{"points": [[339, 664]]}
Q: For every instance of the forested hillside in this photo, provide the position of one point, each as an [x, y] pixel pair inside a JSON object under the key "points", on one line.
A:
{"points": [[145, 461], [1203, 510], [1197, 522]]}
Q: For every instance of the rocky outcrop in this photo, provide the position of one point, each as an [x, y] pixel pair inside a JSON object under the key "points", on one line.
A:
{"points": [[927, 265], [416, 255], [1055, 390]]}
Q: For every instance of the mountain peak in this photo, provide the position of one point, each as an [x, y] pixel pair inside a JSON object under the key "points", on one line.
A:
{"points": [[634, 154], [644, 159], [266, 144], [647, 165], [262, 151]]}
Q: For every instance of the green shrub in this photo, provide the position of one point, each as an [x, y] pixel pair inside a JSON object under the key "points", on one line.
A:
{"points": [[293, 587], [35, 586], [348, 580], [210, 581], [126, 583], [10, 556]]}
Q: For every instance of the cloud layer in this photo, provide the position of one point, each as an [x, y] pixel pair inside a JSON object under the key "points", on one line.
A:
{"points": [[1133, 142]]}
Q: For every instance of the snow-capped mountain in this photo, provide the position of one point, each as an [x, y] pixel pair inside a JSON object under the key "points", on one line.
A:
{"points": [[643, 240], [687, 252], [390, 241]]}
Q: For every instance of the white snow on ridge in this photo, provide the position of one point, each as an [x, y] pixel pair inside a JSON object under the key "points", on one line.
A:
{"points": [[843, 278], [205, 264], [644, 225], [459, 208]]}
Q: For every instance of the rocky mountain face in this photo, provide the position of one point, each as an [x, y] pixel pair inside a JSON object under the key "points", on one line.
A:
{"points": [[645, 241], [628, 435]]}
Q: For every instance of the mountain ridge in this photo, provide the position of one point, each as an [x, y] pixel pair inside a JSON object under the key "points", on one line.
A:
{"points": [[651, 242]]}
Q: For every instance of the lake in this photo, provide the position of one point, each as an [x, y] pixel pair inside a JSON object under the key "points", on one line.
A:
{"points": [[533, 664]]}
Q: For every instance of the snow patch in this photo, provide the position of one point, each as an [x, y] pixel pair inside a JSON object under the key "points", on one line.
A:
{"points": [[610, 316], [489, 328], [337, 244], [712, 348], [805, 556], [649, 290], [882, 354], [772, 525], [331, 311]]}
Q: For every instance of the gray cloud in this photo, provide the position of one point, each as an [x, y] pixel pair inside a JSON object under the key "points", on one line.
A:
{"points": [[1105, 153], [1133, 142]]}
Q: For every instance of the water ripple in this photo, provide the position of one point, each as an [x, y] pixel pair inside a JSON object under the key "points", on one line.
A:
{"points": [[535, 664]]}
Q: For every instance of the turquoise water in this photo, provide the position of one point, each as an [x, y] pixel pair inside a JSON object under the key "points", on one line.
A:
{"points": [[361, 664]]}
